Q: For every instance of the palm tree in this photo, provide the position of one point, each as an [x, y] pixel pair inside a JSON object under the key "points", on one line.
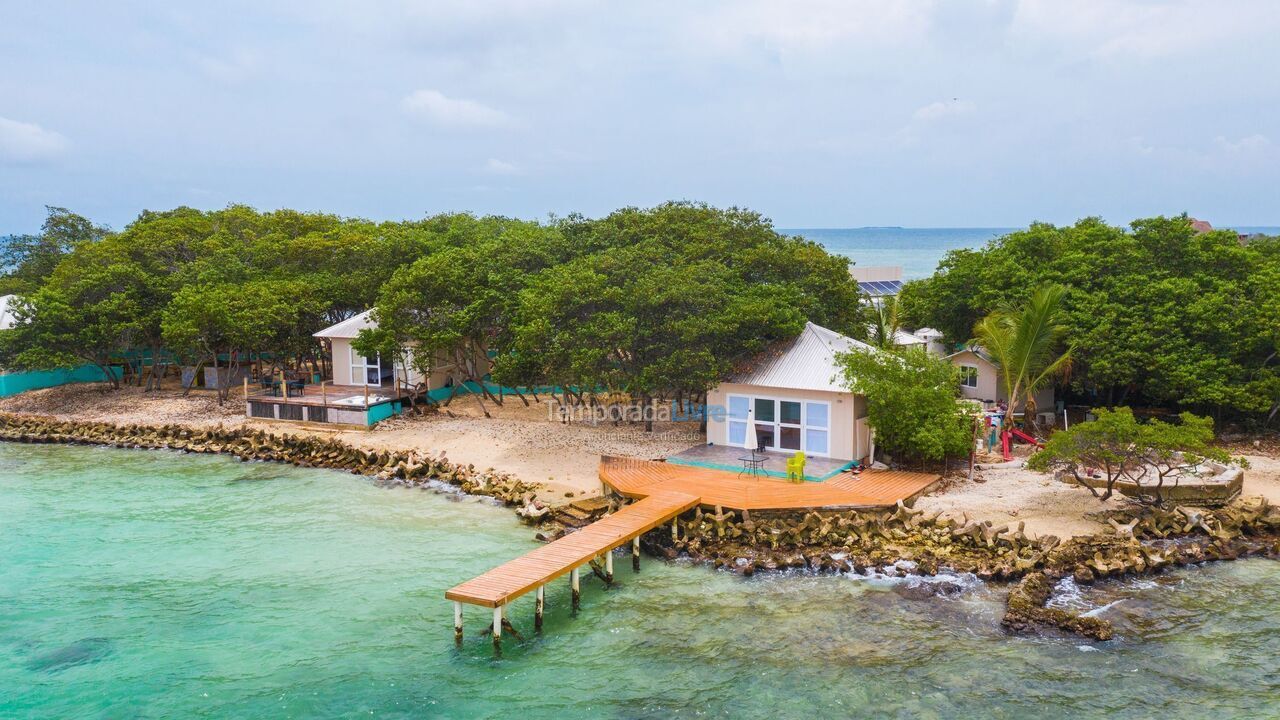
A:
{"points": [[885, 322], [1024, 342]]}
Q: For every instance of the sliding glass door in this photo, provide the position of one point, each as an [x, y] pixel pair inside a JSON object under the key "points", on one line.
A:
{"points": [[365, 371], [780, 424]]}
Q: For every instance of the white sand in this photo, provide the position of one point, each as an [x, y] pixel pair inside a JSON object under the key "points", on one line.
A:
{"points": [[526, 442]]}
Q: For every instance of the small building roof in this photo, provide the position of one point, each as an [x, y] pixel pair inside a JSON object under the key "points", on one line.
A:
{"points": [[808, 362], [904, 338], [976, 350], [928, 333], [348, 328]]}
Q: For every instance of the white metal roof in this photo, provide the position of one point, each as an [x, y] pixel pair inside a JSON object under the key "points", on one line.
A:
{"points": [[348, 328], [903, 338], [976, 350], [807, 363]]}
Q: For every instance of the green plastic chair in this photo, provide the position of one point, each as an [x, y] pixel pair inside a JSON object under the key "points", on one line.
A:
{"points": [[795, 467]]}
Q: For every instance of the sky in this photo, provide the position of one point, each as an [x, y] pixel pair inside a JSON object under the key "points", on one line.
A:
{"points": [[816, 113]]}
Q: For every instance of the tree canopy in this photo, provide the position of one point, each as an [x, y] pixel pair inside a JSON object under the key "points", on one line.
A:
{"points": [[1156, 312], [1118, 447], [654, 302], [912, 402]]}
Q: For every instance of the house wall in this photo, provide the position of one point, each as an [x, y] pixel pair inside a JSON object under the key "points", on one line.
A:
{"points": [[989, 385], [439, 376], [846, 408]]}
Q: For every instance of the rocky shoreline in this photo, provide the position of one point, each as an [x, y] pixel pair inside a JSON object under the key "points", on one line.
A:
{"points": [[1143, 540], [386, 467]]}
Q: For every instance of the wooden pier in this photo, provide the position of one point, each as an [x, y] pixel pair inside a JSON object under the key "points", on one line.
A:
{"points": [[662, 492], [534, 570]]}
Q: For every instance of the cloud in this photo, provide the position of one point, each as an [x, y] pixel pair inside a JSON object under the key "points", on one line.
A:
{"points": [[1255, 143], [24, 143], [494, 166], [943, 109], [452, 112], [1118, 28]]}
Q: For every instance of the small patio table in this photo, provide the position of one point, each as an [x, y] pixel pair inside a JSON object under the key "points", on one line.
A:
{"points": [[752, 465]]}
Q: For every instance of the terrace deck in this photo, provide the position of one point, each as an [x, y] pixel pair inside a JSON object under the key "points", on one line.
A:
{"points": [[870, 489], [663, 491]]}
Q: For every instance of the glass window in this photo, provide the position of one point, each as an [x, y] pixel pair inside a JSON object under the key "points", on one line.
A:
{"points": [[737, 407], [789, 438], [817, 415], [764, 435], [968, 376], [737, 433], [764, 410], [816, 441], [790, 412]]}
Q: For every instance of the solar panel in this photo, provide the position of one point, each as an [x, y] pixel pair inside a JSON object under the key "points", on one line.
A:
{"points": [[880, 288]]}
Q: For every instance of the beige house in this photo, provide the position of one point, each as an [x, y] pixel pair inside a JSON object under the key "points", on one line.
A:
{"points": [[794, 397], [980, 379], [351, 368]]}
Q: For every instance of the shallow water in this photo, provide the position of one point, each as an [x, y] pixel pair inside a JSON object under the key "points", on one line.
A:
{"points": [[154, 584]]}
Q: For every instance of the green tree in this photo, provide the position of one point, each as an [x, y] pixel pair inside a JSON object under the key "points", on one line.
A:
{"points": [[224, 324], [1117, 448], [912, 401], [1156, 313], [28, 260], [88, 311], [1025, 343], [886, 322]]}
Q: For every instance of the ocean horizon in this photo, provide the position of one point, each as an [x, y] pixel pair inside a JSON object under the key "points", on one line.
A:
{"points": [[919, 250]]}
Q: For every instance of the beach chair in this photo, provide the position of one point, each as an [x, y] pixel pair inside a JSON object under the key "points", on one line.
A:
{"points": [[795, 467]]}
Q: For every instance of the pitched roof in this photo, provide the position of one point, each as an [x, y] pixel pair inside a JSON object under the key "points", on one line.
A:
{"points": [[348, 328], [976, 350], [808, 362]]}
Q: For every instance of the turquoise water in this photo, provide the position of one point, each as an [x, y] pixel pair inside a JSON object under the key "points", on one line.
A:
{"points": [[153, 584], [917, 250]]}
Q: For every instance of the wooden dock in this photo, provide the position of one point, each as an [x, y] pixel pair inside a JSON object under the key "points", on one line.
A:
{"points": [[534, 570], [870, 489], [662, 492]]}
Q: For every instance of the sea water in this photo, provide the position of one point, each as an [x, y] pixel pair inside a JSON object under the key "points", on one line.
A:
{"points": [[917, 250], [153, 584]]}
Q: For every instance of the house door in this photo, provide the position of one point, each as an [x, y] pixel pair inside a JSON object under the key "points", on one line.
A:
{"points": [[365, 371], [785, 425]]}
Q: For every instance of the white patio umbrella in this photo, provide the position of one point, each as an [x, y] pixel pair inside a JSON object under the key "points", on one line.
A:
{"points": [[750, 441]]}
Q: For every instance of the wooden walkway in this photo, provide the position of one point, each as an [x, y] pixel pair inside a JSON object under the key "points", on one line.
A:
{"points": [[663, 491], [544, 564], [870, 489]]}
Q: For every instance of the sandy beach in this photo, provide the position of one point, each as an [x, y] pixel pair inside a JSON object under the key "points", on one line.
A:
{"points": [[526, 442]]}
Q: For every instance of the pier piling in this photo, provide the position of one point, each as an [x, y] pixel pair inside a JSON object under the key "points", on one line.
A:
{"points": [[538, 604], [608, 566], [577, 590], [635, 554], [497, 628], [457, 623]]}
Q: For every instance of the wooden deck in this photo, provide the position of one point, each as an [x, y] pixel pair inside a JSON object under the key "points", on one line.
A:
{"points": [[517, 577], [662, 491], [871, 489], [338, 396]]}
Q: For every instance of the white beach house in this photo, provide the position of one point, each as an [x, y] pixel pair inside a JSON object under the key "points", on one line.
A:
{"points": [[794, 396], [980, 379]]}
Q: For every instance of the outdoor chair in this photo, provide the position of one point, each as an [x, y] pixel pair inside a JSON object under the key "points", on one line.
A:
{"points": [[795, 467]]}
